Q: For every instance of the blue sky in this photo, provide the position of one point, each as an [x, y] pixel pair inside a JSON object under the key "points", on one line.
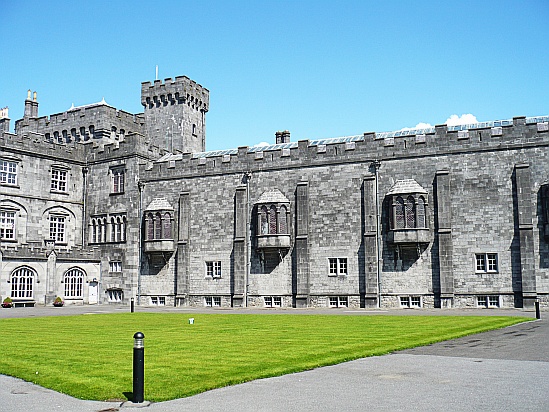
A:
{"points": [[317, 68]]}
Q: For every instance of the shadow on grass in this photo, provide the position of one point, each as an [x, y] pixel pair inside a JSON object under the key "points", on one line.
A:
{"points": [[128, 395]]}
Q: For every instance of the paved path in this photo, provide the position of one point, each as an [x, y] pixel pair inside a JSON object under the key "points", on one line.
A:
{"points": [[504, 370]]}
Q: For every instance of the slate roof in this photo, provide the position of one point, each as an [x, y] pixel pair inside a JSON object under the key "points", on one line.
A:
{"points": [[159, 203], [406, 186], [272, 196]]}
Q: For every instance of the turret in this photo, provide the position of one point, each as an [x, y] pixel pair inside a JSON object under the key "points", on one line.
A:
{"points": [[175, 114]]}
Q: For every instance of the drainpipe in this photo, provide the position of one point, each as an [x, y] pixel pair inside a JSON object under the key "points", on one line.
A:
{"points": [[140, 186]]}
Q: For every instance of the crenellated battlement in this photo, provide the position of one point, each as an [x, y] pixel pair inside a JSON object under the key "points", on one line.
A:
{"points": [[439, 140], [182, 90], [83, 123]]}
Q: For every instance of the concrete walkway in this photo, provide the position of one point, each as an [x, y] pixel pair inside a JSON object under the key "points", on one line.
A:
{"points": [[504, 370]]}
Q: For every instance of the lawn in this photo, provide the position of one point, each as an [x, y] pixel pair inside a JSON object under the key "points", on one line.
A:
{"points": [[90, 356]]}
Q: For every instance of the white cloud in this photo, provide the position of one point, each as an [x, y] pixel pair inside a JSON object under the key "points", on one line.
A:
{"points": [[418, 126], [455, 120]]}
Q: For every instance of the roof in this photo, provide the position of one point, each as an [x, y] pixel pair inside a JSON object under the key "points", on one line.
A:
{"points": [[272, 196], [159, 203], [406, 186], [357, 138], [101, 103]]}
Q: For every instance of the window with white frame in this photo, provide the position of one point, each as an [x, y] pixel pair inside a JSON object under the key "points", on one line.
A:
{"points": [[213, 269], [58, 180], [410, 301], [118, 180], [489, 301], [272, 301], [22, 283], [158, 300], [7, 224], [338, 301], [486, 262], [115, 295], [337, 266], [115, 266], [73, 281], [212, 301], [57, 228], [8, 172]]}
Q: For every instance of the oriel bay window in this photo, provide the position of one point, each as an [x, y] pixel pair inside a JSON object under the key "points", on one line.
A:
{"points": [[408, 222], [158, 230], [273, 216]]}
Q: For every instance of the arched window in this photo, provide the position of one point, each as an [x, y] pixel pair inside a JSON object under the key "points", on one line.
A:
{"points": [[283, 223], [22, 283], [113, 230], [410, 211], [123, 229], [157, 226], [73, 281], [264, 221], [272, 221], [399, 213], [103, 230], [150, 226], [94, 231], [167, 226], [420, 209]]}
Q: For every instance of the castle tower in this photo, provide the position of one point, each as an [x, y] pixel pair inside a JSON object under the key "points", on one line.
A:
{"points": [[175, 114]]}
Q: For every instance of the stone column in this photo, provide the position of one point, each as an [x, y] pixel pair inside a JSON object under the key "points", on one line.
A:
{"points": [[526, 234], [301, 248], [443, 234], [369, 286], [182, 268], [239, 247]]}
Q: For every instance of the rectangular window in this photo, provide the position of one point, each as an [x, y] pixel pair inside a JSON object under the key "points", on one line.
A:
{"points": [[491, 301], [115, 266], [57, 228], [158, 300], [410, 301], [58, 180], [272, 301], [337, 266], [117, 180], [486, 262], [213, 269], [8, 172], [339, 301], [7, 225], [212, 301]]}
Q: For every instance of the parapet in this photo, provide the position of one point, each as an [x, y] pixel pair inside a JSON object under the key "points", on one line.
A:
{"points": [[518, 132], [180, 90]]}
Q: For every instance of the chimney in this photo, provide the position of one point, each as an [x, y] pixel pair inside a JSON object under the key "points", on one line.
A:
{"points": [[282, 137], [4, 120]]}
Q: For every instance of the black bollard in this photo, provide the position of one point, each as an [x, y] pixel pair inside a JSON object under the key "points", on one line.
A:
{"points": [[138, 367], [538, 314], [132, 305]]}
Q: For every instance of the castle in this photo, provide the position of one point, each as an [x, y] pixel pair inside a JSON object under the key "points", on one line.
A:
{"points": [[100, 206]]}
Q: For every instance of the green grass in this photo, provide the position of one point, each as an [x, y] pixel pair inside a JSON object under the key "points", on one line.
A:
{"points": [[90, 356]]}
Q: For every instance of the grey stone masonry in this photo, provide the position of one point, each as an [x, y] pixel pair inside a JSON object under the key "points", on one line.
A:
{"points": [[369, 287], [301, 245], [443, 239], [526, 233], [131, 206]]}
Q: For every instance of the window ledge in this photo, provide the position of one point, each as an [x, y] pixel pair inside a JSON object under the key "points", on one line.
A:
{"points": [[403, 236], [273, 241], [116, 193], [59, 192]]}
